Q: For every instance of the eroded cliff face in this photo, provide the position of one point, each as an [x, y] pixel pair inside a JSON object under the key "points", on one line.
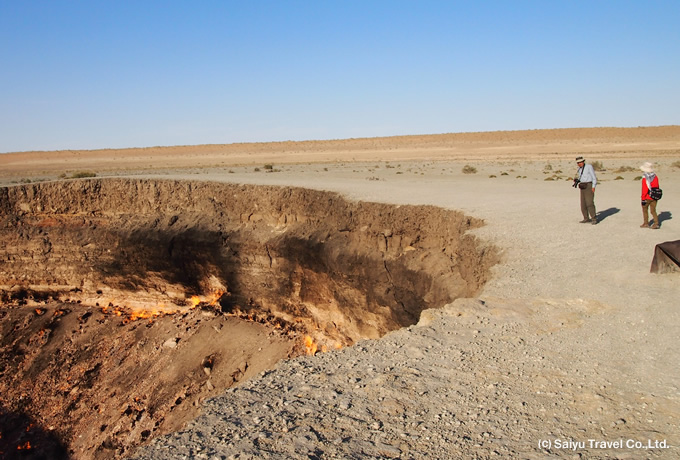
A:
{"points": [[358, 269], [92, 257]]}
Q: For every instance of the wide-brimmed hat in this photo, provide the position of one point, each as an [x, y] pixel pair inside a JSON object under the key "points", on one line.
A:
{"points": [[580, 159], [647, 167]]}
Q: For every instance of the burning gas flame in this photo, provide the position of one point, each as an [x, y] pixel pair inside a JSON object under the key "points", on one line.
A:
{"points": [[310, 345], [211, 300], [134, 314], [24, 446], [217, 295]]}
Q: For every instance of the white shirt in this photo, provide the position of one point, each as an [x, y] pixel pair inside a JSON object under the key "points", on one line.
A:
{"points": [[587, 174]]}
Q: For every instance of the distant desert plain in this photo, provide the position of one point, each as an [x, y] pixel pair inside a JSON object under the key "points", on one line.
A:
{"points": [[533, 145]]}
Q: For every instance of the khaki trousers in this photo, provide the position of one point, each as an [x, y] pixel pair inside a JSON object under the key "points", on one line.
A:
{"points": [[651, 206], [588, 201]]}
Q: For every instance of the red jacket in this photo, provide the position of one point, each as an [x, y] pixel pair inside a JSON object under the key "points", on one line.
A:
{"points": [[645, 190]]}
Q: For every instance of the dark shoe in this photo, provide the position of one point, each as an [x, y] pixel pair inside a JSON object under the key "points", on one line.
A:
{"points": [[584, 221]]}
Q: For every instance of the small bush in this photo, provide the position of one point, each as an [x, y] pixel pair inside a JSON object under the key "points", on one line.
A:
{"points": [[549, 178], [504, 174], [492, 176], [637, 178], [618, 178], [83, 174], [268, 166], [467, 169], [257, 170], [676, 164], [624, 169], [597, 166]]}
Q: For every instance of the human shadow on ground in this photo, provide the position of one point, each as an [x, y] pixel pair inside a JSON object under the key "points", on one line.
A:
{"points": [[602, 215], [664, 216]]}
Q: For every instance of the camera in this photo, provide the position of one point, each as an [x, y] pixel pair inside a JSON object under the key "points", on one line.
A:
{"points": [[576, 182]]}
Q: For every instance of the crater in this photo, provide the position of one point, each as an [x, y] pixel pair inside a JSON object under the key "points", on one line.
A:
{"points": [[125, 303]]}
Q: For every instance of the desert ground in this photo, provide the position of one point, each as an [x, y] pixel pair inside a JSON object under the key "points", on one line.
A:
{"points": [[567, 349]]}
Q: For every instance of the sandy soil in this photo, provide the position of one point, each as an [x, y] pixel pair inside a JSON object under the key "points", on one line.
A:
{"points": [[612, 320]]}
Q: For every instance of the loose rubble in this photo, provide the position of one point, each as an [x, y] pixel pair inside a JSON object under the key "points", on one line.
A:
{"points": [[475, 379]]}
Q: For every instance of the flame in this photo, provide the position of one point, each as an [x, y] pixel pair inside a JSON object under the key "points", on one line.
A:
{"points": [[133, 314], [212, 300], [40, 311], [24, 446], [217, 295], [310, 345], [130, 315]]}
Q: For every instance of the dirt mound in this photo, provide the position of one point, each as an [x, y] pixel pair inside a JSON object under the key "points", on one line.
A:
{"points": [[91, 270]]}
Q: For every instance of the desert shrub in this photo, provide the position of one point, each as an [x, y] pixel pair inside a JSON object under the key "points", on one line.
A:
{"points": [[504, 174], [624, 169], [676, 164], [548, 167], [467, 169], [549, 178], [270, 167], [83, 174], [257, 170], [597, 166], [492, 176], [637, 178], [618, 178]]}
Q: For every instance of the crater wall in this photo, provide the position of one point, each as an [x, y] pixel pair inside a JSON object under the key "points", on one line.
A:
{"points": [[354, 269]]}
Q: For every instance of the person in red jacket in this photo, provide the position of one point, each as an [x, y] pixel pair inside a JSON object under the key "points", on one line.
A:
{"points": [[649, 181]]}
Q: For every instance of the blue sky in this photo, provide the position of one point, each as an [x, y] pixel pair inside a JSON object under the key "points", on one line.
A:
{"points": [[112, 74]]}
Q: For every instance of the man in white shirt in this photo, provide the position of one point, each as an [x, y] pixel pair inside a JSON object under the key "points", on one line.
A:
{"points": [[586, 183]]}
